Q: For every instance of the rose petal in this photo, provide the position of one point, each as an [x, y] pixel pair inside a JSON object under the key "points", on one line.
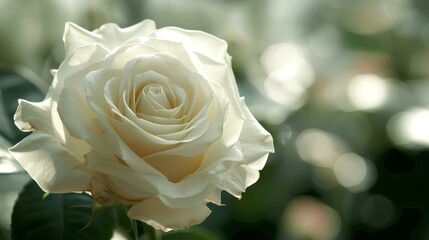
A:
{"points": [[112, 35], [80, 125], [198, 41], [172, 118], [220, 157], [140, 141], [142, 184], [236, 179], [175, 167], [234, 120], [80, 58], [206, 129], [75, 65], [118, 58], [109, 35], [95, 84], [50, 165], [155, 213], [76, 36], [32, 116], [222, 75], [121, 179], [256, 143], [187, 56], [210, 194], [103, 195]]}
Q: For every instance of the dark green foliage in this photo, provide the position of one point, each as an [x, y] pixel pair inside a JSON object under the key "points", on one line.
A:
{"points": [[59, 216]]}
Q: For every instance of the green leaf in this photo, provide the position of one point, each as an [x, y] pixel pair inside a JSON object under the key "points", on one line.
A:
{"points": [[2, 234], [59, 216]]}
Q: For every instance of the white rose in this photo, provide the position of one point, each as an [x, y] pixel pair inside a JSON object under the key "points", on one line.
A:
{"points": [[145, 117]]}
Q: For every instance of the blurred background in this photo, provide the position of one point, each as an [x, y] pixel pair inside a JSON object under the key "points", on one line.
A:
{"points": [[343, 87]]}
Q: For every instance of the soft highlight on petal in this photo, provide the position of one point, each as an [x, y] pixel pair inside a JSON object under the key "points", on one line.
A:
{"points": [[50, 165], [256, 143], [31, 116], [109, 35], [155, 213]]}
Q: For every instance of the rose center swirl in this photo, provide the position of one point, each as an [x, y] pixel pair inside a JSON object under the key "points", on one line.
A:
{"points": [[156, 95], [153, 97]]}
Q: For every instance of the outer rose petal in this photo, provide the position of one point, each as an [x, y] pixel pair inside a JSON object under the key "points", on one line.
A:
{"points": [[188, 191], [256, 143], [197, 41], [155, 213], [52, 167], [108, 35], [30, 116]]}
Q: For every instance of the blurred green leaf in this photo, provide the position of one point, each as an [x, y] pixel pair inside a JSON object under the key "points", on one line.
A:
{"points": [[59, 216], [2, 234]]}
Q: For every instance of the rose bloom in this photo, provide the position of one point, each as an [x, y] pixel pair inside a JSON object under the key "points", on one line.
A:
{"points": [[145, 117]]}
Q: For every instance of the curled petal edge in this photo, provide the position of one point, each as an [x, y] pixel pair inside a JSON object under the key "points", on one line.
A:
{"points": [[158, 215], [50, 165]]}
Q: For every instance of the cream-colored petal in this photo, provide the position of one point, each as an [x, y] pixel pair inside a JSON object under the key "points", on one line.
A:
{"points": [[50, 165], [78, 119], [76, 36], [113, 141], [256, 143], [121, 179], [132, 185], [75, 67], [139, 100], [220, 76], [119, 57], [155, 128], [145, 144], [80, 58], [95, 89], [210, 194], [233, 123], [207, 128], [237, 178], [186, 56], [74, 76], [139, 140], [142, 172], [221, 73], [32, 116], [220, 157], [198, 41], [175, 167], [100, 191], [161, 120], [155, 213], [215, 196], [237, 167], [112, 35], [74, 114], [109, 35]]}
